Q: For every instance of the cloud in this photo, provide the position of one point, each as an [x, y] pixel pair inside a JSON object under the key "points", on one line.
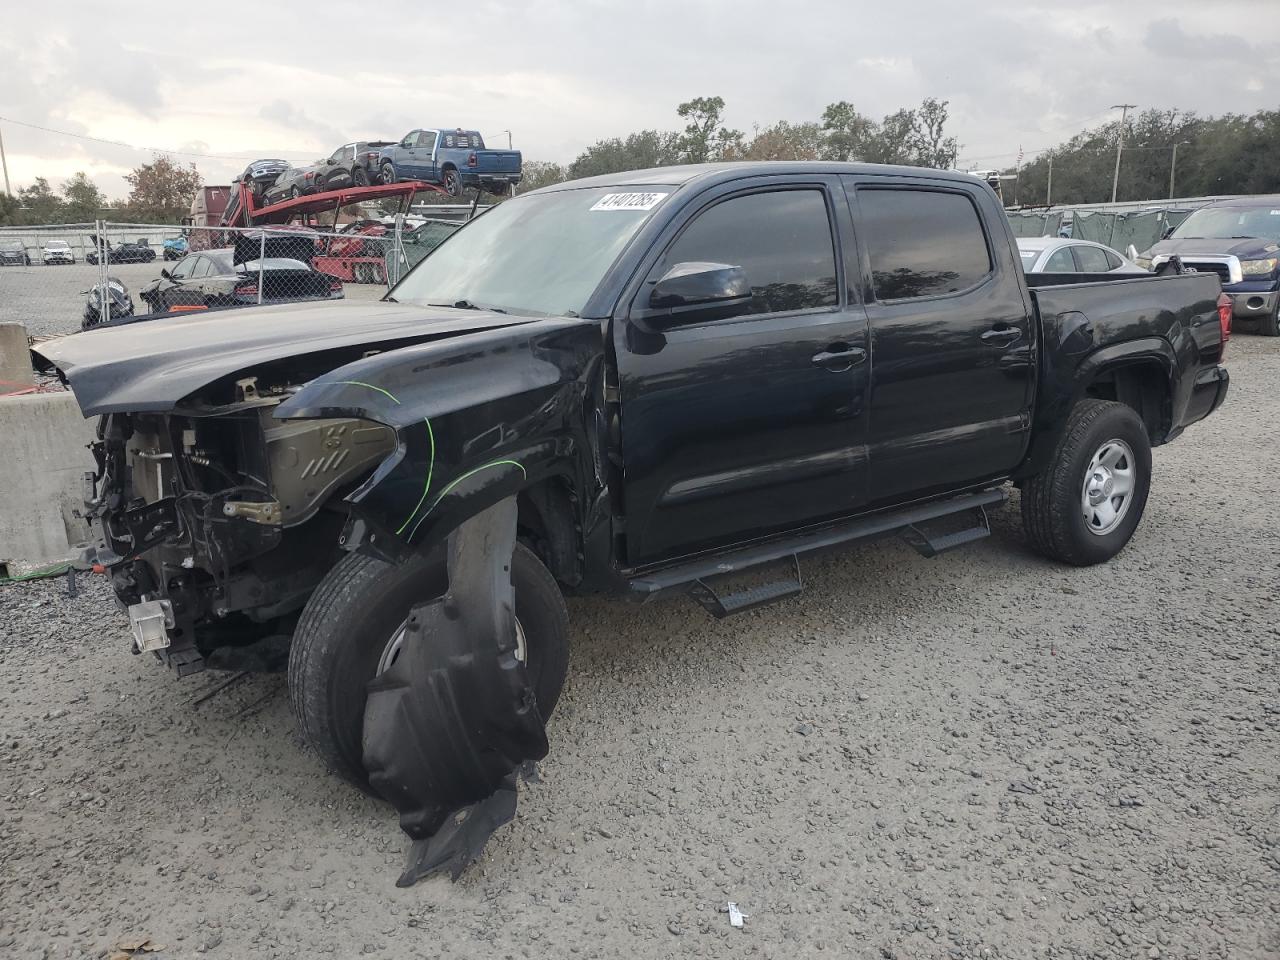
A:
{"points": [[1166, 38], [561, 74]]}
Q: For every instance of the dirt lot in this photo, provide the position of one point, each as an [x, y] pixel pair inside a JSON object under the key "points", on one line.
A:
{"points": [[982, 755], [50, 300]]}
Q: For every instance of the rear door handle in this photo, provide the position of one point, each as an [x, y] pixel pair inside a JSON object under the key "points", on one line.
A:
{"points": [[840, 352], [1001, 333]]}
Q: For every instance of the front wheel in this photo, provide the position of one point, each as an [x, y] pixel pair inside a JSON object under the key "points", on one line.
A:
{"points": [[452, 182], [388, 172], [1085, 505], [1270, 325], [352, 630]]}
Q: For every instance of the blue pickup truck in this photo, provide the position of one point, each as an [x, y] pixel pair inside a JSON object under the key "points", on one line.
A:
{"points": [[455, 159]]}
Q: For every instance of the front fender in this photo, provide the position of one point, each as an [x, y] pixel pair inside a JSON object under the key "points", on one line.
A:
{"points": [[477, 418]]}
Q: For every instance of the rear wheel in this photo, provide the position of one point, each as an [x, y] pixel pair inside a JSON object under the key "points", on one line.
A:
{"points": [[360, 177], [1085, 505], [353, 628], [294, 193]]}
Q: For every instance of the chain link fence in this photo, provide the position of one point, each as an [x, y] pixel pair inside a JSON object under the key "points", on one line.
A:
{"points": [[61, 279]]}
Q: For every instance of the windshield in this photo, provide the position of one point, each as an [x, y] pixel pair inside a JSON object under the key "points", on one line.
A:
{"points": [[57, 245], [1225, 223], [541, 254], [11, 245]]}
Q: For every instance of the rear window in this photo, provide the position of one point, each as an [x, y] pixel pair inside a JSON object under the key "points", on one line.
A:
{"points": [[922, 243], [464, 140]]}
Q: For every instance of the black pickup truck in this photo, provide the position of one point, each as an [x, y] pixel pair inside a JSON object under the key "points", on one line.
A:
{"points": [[671, 380]]}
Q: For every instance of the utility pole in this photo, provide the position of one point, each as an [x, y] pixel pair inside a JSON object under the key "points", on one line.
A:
{"points": [[1173, 164], [4, 163], [1048, 194], [1124, 109]]}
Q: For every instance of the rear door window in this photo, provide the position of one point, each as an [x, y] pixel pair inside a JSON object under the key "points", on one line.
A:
{"points": [[781, 239], [922, 243], [1060, 262], [1092, 260]]}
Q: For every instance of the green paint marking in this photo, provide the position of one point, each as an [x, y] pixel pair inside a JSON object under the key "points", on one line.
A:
{"points": [[470, 473], [427, 486], [369, 386]]}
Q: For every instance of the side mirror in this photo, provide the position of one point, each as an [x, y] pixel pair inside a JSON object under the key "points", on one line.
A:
{"points": [[697, 291], [164, 272], [1164, 234]]}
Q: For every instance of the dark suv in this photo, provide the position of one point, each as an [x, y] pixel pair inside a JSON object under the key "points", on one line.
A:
{"points": [[1239, 240]]}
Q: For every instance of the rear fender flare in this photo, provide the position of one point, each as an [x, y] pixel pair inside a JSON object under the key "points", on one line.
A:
{"points": [[1052, 412]]}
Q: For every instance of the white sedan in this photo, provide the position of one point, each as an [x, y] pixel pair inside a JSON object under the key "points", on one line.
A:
{"points": [[1063, 255]]}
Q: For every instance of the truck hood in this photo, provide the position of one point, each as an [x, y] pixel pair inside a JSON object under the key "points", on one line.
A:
{"points": [[1251, 248], [152, 365]]}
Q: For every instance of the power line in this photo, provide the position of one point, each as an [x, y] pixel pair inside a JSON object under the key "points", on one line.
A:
{"points": [[129, 146]]}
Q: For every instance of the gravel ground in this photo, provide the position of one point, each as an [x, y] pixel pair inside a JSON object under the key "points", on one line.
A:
{"points": [[50, 300], [982, 755]]}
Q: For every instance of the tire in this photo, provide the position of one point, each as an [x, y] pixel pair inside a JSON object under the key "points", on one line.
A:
{"points": [[350, 620], [452, 182], [1054, 501], [294, 193], [388, 172], [1269, 326], [360, 177]]}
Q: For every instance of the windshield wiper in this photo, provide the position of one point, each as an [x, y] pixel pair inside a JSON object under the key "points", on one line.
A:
{"points": [[1245, 236], [467, 305]]}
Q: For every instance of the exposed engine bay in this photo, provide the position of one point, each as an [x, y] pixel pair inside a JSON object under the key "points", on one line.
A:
{"points": [[222, 518]]}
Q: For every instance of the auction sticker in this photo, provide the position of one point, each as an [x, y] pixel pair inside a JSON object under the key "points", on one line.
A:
{"points": [[629, 201]]}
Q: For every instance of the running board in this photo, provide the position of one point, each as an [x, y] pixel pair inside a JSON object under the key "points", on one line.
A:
{"points": [[918, 537], [687, 575], [724, 605]]}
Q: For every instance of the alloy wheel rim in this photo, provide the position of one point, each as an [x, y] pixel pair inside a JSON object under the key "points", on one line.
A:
{"points": [[1109, 484], [391, 652]]}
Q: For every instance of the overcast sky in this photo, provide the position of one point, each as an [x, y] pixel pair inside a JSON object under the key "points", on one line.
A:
{"points": [[243, 81]]}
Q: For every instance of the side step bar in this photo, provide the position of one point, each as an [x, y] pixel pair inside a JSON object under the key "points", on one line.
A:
{"points": [[722, 606], [696, 576]]}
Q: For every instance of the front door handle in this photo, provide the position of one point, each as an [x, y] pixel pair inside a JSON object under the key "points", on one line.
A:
{"points": [[839, 353], [1001, 334]]}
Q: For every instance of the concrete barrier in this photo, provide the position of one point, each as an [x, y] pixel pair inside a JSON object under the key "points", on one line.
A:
{"points": [[15, 358], [43, 459]]}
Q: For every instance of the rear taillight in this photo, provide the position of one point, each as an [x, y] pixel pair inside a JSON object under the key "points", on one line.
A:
{"points": [[472, 160], [309, 176], [1224, 319], [371, 156], [247, 290]]}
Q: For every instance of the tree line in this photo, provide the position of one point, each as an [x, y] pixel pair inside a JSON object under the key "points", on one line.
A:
{"points": [[1229, 154], [915, 137], [159, 192]]}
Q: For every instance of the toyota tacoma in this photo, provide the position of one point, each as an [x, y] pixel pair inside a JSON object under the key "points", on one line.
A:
{"points": [[680, 380]]}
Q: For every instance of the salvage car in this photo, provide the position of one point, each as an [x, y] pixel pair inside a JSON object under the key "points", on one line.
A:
{"points": [[57, 251], [1238, 241], [14, 253], [455, 159], [651, 382], [217, 278], [1062, 255], [132, 251], [351, 165], [290, 184]]}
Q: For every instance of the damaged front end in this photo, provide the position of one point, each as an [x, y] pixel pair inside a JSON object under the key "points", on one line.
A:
{"points": [[215, 520]]}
